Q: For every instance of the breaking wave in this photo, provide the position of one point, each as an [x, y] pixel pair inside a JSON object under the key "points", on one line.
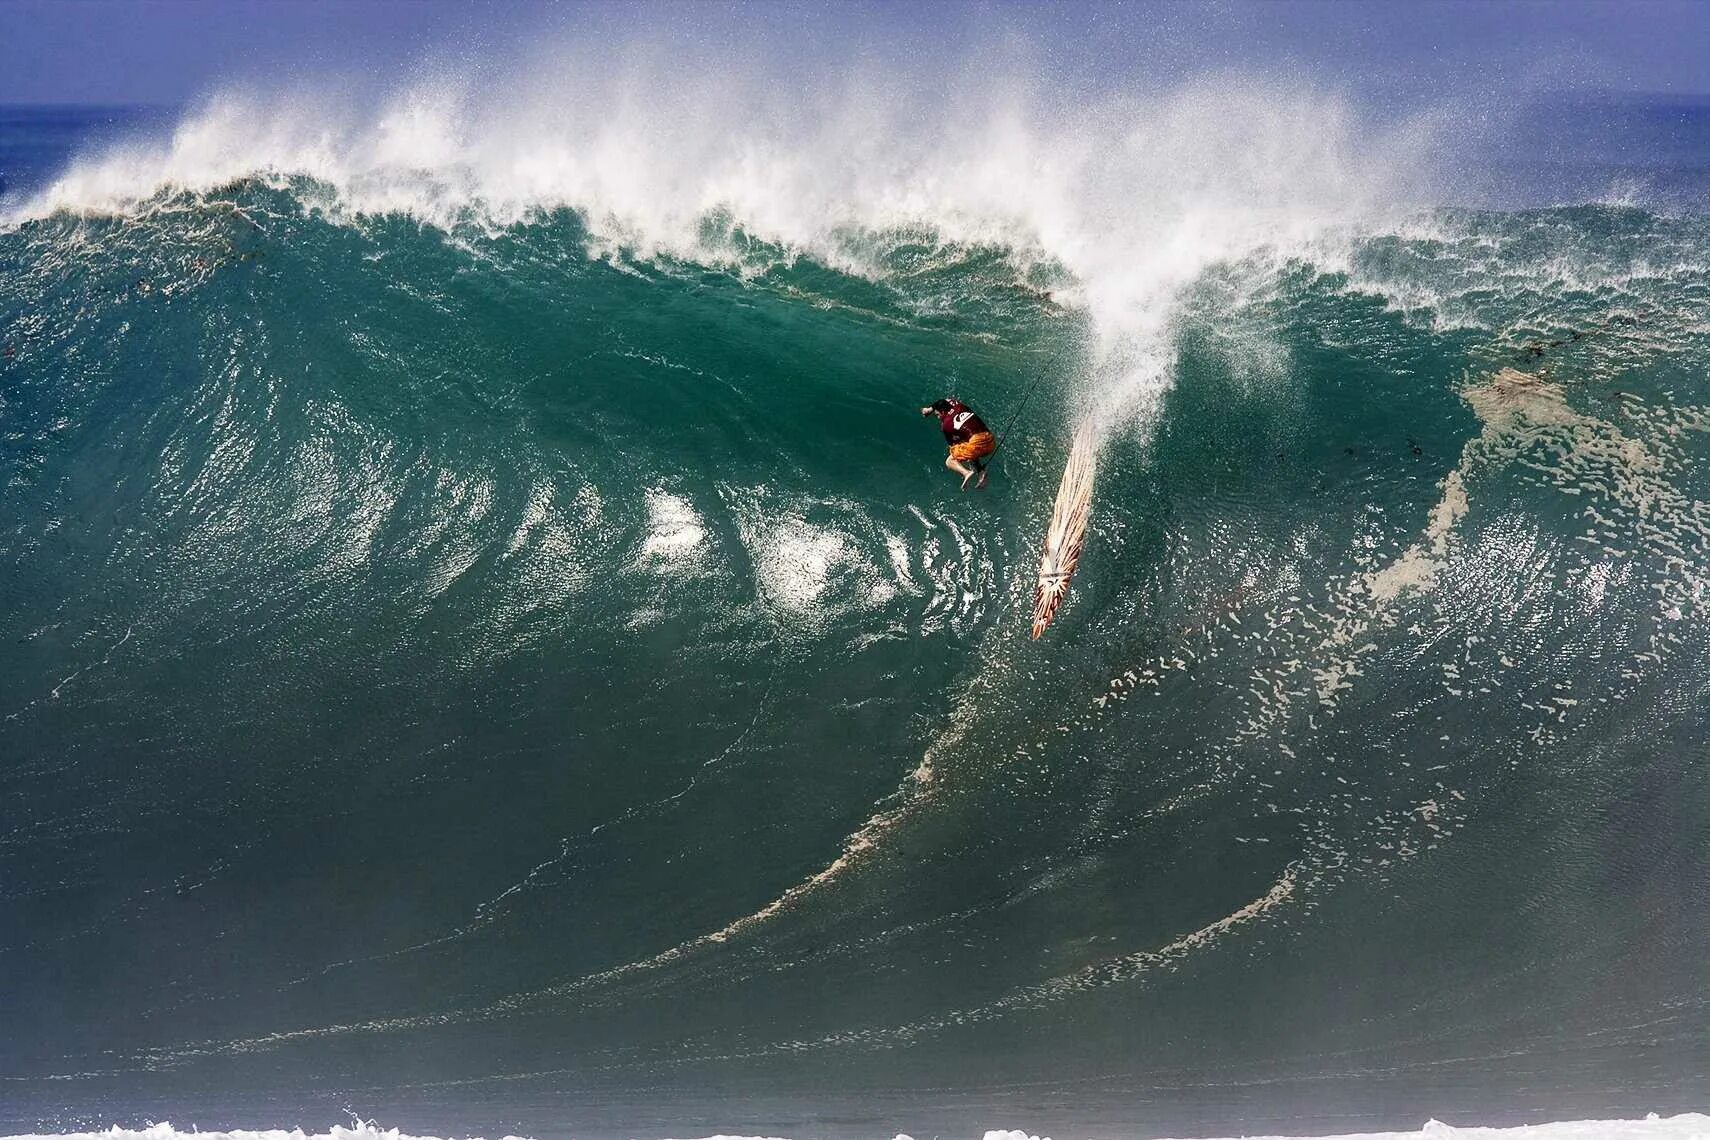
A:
{"points": [[486, 615]]}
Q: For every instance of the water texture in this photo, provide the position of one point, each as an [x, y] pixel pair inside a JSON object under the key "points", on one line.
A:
{"points": [[490, 645]]}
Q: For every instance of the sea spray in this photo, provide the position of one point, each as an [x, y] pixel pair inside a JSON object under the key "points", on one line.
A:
{"points": [[474, 633]]}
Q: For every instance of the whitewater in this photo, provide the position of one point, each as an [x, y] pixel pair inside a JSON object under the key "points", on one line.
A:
{"points": [[491, 645], [1685, 1127]]}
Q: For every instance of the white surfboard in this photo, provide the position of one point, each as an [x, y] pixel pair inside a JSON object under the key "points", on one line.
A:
{"points": [[1068, 530]]}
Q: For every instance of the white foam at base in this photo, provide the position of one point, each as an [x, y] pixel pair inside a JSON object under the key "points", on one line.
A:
{"points": [[1687, 1126]]}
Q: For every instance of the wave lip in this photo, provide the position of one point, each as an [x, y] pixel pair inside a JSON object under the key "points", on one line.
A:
{"points": [[1131, 198]]}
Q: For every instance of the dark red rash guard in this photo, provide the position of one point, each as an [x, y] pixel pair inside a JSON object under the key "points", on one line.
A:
{"points": [[959, 423]]}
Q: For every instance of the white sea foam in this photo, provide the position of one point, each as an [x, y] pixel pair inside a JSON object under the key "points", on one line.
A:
{"points": [[674, 528], [795, 561], [1131, 195], [1687, 1126]]}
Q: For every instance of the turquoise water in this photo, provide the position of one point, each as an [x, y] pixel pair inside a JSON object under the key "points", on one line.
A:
{"points": [[522, 666]]}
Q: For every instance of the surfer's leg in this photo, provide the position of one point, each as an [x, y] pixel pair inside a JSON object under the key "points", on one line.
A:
{"points": [[977, 449], [961, 469]]}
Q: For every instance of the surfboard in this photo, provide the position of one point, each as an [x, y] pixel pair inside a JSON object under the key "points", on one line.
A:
{"points": [[1067, 532]]}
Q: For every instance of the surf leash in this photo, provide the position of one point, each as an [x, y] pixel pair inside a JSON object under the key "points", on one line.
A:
{"points": [[1015, 415]]}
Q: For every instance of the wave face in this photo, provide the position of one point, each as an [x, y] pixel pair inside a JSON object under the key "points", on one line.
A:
{"points": [[491, 645]]}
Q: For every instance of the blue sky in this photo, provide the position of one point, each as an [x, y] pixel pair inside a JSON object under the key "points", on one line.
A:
{"points": [[169, 51]]}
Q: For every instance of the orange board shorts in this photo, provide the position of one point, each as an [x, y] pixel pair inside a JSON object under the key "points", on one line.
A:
{"points": [[977, 446]]}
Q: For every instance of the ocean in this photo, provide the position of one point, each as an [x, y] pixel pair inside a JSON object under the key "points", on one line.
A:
{"points": [[492, 648]]}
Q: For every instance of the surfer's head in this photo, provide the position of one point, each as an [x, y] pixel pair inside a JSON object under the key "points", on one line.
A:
{"points": [[941, 406]]}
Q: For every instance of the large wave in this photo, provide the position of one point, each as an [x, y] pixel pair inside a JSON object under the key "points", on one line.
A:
{"points": [[472, 588]]}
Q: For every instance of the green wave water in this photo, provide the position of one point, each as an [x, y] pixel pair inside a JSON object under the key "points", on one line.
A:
{"points": [[492, 673]]}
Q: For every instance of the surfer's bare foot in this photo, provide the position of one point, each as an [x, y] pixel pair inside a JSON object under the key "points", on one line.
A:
{"points": [[981, 485], [965, 480]]}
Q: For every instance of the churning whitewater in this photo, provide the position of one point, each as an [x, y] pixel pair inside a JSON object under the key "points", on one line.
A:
{"points": [[1690, 1126], [491, 639]]}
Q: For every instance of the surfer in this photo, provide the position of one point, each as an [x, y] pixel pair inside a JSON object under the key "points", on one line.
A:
{"points": [[969, 439]]}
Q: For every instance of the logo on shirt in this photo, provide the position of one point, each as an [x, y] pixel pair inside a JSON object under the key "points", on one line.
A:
{"points": [[960, 418]]}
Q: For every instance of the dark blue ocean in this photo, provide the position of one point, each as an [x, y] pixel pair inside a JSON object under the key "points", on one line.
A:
{"points": [[490, 646]]}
